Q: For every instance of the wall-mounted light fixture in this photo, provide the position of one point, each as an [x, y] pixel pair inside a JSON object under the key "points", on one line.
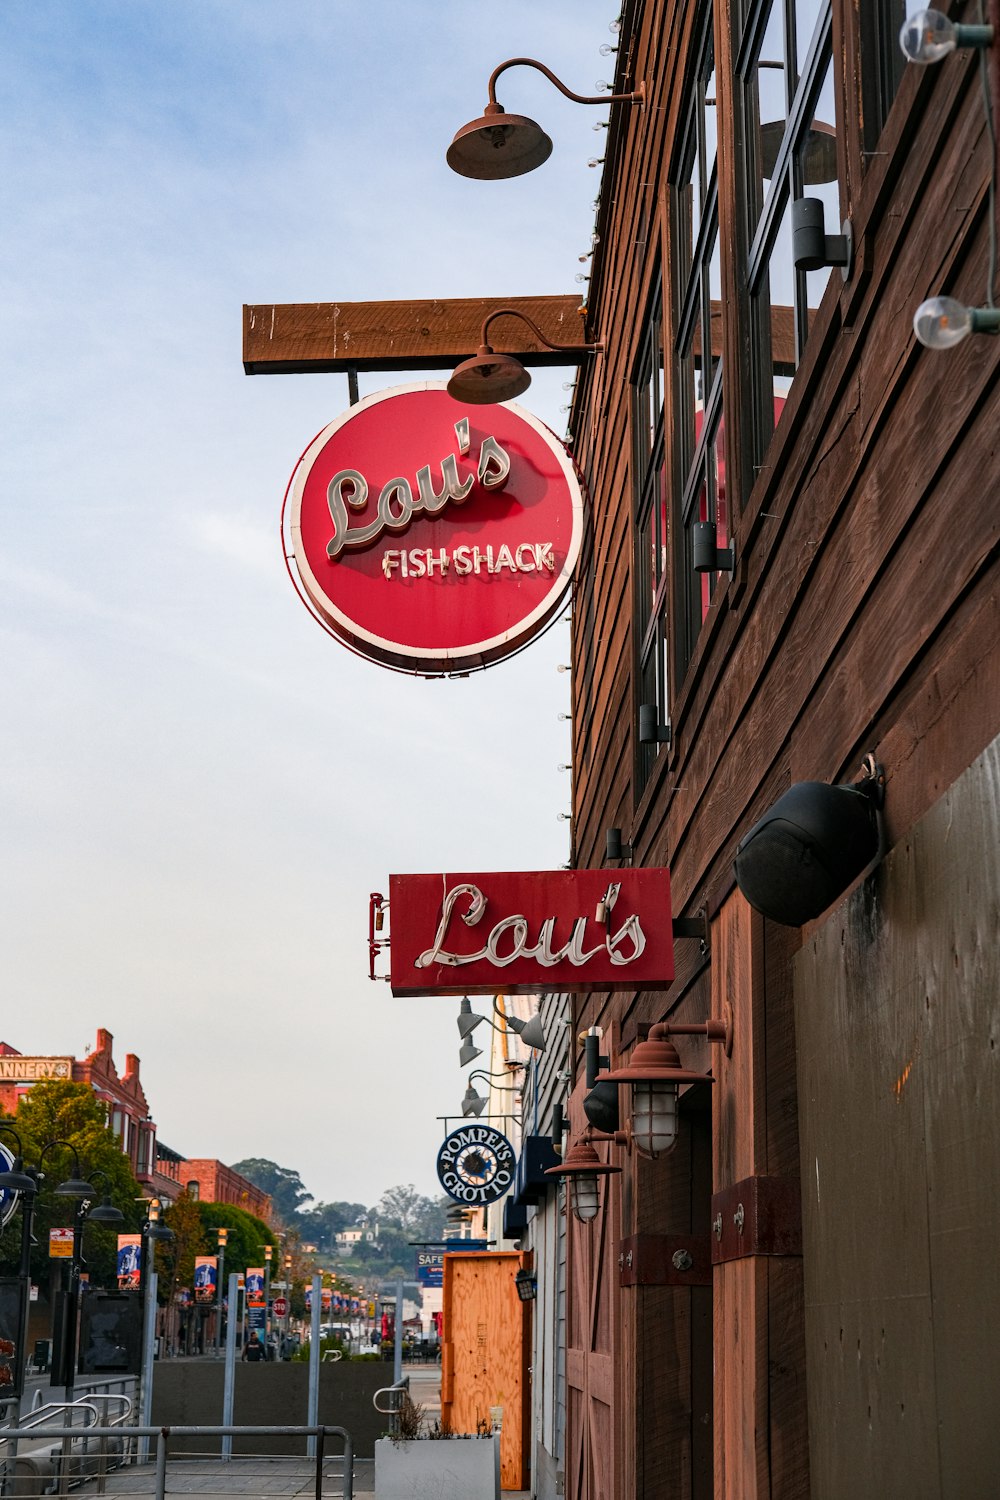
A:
{"points": [[655, 1074], [531, 1031], [812, 247], [614, 848], [942, 322], [582, 1167], [927, 36], [527, 1285], [651, 731], [499, 145], [706, 554], [468, 1053], [811, 845], [488, 377], [473, 1103], [600, 1103]]}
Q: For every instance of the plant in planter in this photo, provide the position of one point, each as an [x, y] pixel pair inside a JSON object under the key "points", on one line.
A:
{"points": [[415, 1464]]}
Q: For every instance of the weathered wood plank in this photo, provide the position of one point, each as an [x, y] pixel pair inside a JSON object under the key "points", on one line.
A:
{"points": [[433, 334]]}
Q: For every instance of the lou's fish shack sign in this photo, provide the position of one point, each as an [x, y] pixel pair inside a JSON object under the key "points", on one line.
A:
{"points": [[519, 932], [434, 536]]}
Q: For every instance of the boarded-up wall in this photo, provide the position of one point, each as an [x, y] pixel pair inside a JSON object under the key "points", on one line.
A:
{"points": [[484, 1354], [898, 1013]]}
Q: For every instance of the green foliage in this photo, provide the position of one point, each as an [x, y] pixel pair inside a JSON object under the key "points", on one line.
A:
{"points": [[60, 1110], [285, 1187]]}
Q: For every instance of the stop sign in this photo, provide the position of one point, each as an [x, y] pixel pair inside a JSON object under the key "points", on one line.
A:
{"points": [[279, 1306]]}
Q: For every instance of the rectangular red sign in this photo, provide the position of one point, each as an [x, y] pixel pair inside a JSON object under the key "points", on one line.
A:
{"points": [[518, 932]]}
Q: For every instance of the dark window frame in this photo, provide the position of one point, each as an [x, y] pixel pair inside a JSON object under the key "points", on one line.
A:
{"points": [[650, 523]]}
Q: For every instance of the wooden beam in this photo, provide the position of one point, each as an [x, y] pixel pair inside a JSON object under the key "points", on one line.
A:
{"points": [[302, 337]]}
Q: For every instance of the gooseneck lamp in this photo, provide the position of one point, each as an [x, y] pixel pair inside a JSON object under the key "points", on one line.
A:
{"points": [[499, 145], [104, 1212], [927, 36], [488, 377], [655, 1074], [582, 1169]]}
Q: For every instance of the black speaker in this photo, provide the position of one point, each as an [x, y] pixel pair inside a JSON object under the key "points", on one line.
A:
{"points": [[110, 1333], [805, 852]]}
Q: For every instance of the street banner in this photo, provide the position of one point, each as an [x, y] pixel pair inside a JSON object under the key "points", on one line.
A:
{"points": [[12, 1351], [327, 1299], [526, 931], [309, 1299], [206, 1278], [255, 1287], [60, 1244], [129, 1262]]}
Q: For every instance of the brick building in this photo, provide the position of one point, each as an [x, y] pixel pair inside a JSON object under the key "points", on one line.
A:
{"points": [[123, 1093], [213, 1182]]}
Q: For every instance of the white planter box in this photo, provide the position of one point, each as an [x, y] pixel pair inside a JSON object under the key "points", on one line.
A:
{"points": [[438, 1469]]}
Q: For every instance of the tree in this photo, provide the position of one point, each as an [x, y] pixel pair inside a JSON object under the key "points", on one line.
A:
{"points": [[409, 1211], [59, 1110], [285, 1187], [323, 1223]]}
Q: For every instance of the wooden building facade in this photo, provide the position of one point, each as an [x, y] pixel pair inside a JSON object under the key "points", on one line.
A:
{"points": [[834, 1327]]}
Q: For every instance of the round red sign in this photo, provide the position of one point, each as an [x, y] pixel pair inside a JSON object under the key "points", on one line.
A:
{"points": [[433, 536], [279, 1306]]}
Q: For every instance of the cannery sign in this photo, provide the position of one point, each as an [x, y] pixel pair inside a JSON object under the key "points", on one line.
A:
{"points": [[524, 931], [431, 535]]}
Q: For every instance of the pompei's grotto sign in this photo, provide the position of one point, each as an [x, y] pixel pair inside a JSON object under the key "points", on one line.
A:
{"points": [[523, 931], [433, 536]]}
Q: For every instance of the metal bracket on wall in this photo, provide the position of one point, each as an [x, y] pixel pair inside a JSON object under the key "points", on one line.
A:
{"points": [[758, 1216], [665, 1260], [694, 927]]}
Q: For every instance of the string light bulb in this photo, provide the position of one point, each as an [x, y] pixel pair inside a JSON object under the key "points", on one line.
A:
{"points": [[943, 322], [929, 35]]}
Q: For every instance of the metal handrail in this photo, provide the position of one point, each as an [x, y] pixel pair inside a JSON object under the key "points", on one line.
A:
{"points": [[162, 1435]]}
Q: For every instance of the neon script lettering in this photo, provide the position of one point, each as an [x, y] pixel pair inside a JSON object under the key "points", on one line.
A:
{"points": [[512, 935], [397, 504]]}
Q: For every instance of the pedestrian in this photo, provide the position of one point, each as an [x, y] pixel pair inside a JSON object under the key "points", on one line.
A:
{"points": [[253, 1349]]}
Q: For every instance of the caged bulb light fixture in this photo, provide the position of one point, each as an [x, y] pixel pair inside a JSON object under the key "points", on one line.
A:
{"points": [[929, 35], [655, 1074], [582, 1168]]}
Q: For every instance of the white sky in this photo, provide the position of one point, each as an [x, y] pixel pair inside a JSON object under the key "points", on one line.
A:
{"points": [[198, 788]]}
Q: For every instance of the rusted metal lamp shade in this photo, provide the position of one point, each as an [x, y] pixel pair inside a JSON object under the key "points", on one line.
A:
{"points": [[817, 154], [498, 145], [582, 1167], [488, 378], [807, 849], [654, 1072]]}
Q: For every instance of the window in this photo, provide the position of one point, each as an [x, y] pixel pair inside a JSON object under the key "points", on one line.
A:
{"points": [[785, 83], [193, 1189], [698, 467], [650, 520], [882, 61]]}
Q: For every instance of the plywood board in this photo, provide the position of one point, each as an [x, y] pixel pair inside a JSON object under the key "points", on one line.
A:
{"points": [[486, 1345]]}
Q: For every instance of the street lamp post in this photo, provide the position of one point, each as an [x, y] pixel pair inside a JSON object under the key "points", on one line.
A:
{"points": [[268, 1252], [25, 1184], [223, 1235], [288, 1298]]}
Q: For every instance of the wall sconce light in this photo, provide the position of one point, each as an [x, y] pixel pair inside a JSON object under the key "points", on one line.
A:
{"points": [[600, 1103], [812, 247], [499, 145], [942, 322], [531, 1032], [655, 1074], [488, 377], [927, 36], [527, 1286], [651, 731], [468, 1053], [582, 1167], [810, 846], [614, 848], [558, 1128], [706, 555]]}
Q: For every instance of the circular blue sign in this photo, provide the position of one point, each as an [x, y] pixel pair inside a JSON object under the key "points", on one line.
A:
{"points": [[476, 1165], [8, 1198]]}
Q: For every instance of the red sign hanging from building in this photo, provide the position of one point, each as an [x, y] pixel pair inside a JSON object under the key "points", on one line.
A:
{"points": [[433, 536], [524, 931]]}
